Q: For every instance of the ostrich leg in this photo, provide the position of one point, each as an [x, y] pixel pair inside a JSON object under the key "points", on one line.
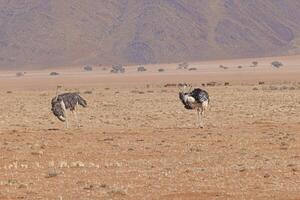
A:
{"points": [[67, 121], [65, 113], [199, 114], [198, 117], [76, 118], [202, 118]]}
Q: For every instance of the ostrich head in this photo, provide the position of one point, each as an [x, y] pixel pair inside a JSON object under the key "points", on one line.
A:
{"points": [[184, 91], [57, 91], [57, 108]]}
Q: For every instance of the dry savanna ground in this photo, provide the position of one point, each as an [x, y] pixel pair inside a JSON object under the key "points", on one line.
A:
{"points": [[136, 141]]}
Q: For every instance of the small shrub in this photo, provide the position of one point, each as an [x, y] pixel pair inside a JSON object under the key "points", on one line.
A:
{"points": [[137, 92], [117, 69], [9, 92], [183, 65], [88, 92], [283, 87], [19, 74], [223, 67], [192, 69], [255, 88], [88, 68], [261, 83], [276, 64], [118, 192], [170, 85], [52, 173], [254, 64], [54, 74], [272, 87], [226, 84], [212, 83], [141, 69], [239, 67], [161, 70]]}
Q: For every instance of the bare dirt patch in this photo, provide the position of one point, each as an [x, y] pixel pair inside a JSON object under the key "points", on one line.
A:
{"points": [[144, 145]]}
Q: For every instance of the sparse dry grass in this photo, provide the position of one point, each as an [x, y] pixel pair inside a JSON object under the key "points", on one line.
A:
{"points": [[141, 143]]}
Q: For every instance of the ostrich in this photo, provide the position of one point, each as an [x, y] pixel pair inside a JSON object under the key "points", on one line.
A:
{"points": [[66, 101], [197, 99]]}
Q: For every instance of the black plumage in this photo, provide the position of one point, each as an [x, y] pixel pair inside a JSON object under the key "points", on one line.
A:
{"points": [[200, 95], [197, 99], [66, 101]]}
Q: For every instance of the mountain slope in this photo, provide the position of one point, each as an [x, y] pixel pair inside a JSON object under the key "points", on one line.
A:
{"points": [[45, 33]]}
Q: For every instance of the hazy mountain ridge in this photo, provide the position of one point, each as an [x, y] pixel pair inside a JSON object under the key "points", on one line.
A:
{"points": [[50, 32]]}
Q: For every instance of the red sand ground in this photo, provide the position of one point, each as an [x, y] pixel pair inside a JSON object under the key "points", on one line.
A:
{"points": [[136, 141]]}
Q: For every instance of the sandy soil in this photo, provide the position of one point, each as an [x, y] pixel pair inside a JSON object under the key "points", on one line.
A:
{"points": [[136, 141]]}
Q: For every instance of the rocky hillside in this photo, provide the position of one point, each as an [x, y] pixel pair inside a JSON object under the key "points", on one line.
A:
{"points": [[45, 33]]}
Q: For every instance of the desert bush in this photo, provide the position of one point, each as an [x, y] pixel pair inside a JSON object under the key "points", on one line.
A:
{"points": [[88, 68], [192, 69], [117, 192], [223, 67], [183, 65], [254, 64], [141, 69], [203, 84], [137, 92], [88, 92], [52, 173], [239, 67], [170, 85], [283, 87], [161, 70], [117, 69], [18, 74], [261, 83], [272, 87], [9, 92], [212, 83], [276, 64], [226, 84], [255, 88], [54, 74]]}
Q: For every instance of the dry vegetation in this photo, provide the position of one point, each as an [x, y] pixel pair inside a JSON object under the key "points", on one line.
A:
{"points": [[144, 145], [54, 74], [136, 140], [117, 69], [88, 68], [276, 64]]}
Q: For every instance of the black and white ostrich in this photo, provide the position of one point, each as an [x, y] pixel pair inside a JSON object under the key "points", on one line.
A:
{"points": [[66, 101], [196, 99]]}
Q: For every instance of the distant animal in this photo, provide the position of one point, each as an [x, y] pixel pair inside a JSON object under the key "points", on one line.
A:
{"points": [[197, 99], [67, 101]]}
